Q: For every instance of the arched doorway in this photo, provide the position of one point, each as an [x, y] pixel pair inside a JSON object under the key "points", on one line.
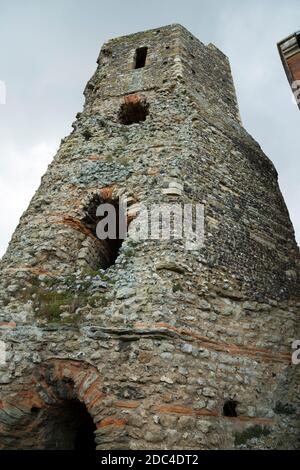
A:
{"points": [[54, 408], [68, 426]]}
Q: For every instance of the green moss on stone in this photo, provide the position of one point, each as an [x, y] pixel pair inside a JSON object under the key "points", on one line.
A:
{"points": [[256, 431], [284, 409], [177, 287]]}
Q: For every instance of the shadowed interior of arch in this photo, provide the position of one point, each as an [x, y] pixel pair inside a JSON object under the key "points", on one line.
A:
{"points": [[104, 252], [133, 110], [69, 426]]}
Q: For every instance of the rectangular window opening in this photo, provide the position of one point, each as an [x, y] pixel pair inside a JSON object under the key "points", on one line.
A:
{"points": [[140, 57]]}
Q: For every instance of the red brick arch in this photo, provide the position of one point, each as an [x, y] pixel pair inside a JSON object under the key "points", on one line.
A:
{"points": [[81, 381], [51, 383]]}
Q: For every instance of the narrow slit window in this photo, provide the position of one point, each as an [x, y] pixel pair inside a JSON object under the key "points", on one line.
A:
{"points": [[140, 57]]}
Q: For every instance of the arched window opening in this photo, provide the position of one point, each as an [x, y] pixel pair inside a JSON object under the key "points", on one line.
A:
{"points": [[101, 253], [134, 109], [229, 408]]}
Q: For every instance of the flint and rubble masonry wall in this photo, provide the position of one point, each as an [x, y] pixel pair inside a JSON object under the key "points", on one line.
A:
{"points": [[155, 344]]}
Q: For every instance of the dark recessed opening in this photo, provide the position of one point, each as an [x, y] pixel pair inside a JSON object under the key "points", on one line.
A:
{"points": [[140, 57], [102, 252], [133, 110], [84, 437], [229, 408], [106, 52], [86, 134], [70, 427], [34, 410]]}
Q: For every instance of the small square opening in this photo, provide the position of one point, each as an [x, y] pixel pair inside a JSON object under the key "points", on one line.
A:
{"points": [[133, 109]]}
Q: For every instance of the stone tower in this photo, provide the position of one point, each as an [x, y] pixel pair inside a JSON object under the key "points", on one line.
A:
{"points": [[143, 344]]}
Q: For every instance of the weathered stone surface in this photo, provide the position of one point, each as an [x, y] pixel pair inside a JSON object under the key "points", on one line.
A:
{"points": [[153, 339]]}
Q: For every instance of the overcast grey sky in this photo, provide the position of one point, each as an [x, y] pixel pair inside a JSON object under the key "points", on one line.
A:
{"points": [[49, 49]]}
